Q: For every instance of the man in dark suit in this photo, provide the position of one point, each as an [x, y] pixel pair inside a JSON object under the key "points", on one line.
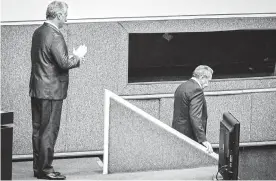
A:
{"points": [[190, 109], [48, 86]]}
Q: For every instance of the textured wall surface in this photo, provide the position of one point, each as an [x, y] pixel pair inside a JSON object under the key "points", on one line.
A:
{"points": [[256, 113], [106, 67], [149, 106], [99, 72], [263, 125], [15, 74], [137, 144], [257, 163], [238, 105]]}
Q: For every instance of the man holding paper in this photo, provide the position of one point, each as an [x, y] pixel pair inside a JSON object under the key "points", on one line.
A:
{"points": [[48, 86]]}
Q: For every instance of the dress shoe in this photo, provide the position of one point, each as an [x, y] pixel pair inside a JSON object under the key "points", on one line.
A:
{"points": [[52, 176], [36, 174]]}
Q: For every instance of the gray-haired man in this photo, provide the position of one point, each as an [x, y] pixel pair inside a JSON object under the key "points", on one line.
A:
{"points": [[48, 86], [190, 109]]}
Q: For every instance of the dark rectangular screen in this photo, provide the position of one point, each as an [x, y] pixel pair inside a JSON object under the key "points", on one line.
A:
{"points": [[174, 56], [229, 147]]}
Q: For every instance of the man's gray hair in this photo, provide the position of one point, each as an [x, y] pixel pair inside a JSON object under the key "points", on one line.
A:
{"points": [[54, 8], [202, 70]]}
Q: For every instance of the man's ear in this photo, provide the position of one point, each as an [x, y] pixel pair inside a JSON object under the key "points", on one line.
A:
{"points": [[201, 77], [59, 16]]}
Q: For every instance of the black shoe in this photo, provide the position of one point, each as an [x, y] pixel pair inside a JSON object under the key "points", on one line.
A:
{"points": [[52, 176], [36, 174]]}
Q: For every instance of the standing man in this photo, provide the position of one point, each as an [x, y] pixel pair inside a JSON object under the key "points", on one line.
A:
{"points": [[190, 109], [48, 86]]}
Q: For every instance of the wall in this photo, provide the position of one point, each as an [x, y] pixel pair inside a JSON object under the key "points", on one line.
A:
{"points": [[257, 163], [33, 10], [255, 111], [137, 142], [106, 68]]}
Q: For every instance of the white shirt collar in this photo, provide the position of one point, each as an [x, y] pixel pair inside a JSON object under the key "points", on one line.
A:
{"points": [[52, 24], [195, 79]]}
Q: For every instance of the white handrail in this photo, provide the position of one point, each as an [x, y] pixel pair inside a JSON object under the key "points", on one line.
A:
{"points": [[107, 96]]}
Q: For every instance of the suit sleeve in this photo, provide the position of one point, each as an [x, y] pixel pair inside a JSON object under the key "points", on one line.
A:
{"points": [[60, 54], [195, 111]]}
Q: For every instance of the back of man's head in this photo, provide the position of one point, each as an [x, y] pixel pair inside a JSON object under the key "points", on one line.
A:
{"points": [[54, 8], [203, 71]]}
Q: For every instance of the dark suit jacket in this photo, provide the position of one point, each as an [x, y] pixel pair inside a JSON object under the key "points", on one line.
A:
{"points": [[50, 64], [190, 111]]}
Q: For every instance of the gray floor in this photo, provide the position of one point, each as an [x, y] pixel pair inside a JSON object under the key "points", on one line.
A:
{"points": [[89, 169]]}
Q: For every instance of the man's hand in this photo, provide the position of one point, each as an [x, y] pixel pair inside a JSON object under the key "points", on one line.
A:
{"points": [[208, 146], [80, 52]]}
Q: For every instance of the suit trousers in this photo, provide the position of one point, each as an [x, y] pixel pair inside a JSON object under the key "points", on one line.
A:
{"points": [[46, 116]]}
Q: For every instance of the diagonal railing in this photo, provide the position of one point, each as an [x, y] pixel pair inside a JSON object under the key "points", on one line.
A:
{"points": [[110, 95]]}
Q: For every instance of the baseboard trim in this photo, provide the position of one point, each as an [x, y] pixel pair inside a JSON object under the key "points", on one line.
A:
{"points": [[100, 152], [251, 144], [61, 155]]}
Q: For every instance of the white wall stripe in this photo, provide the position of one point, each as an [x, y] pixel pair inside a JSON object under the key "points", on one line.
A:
{"points": [[120, 19], [213, 93]]}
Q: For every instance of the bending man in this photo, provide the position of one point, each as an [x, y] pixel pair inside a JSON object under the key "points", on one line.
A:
{"points": [[190, 109]]}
